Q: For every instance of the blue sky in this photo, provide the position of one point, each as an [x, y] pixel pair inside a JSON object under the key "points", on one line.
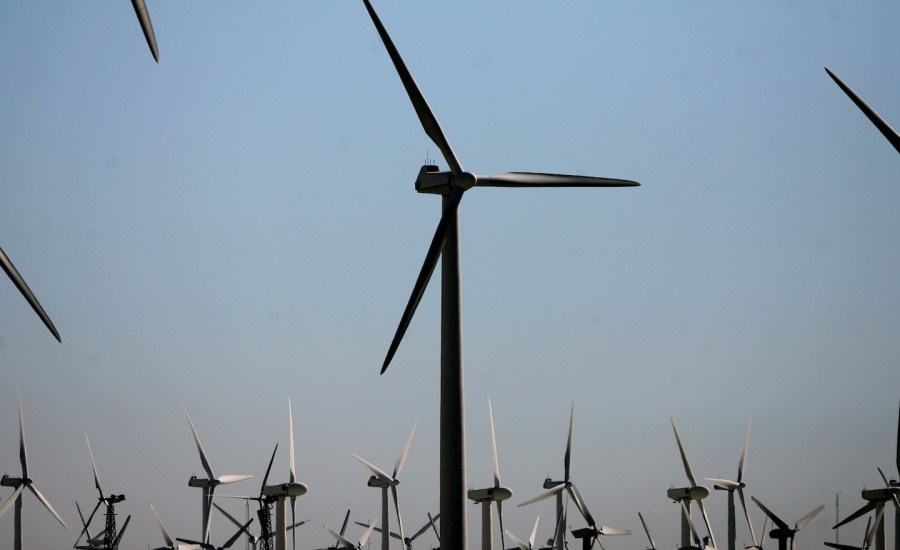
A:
{"points": [[238, 225]]}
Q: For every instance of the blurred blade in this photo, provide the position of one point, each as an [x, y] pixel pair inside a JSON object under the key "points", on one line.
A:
{"points": [[11, 500], [582, 505], [647, 530], [397, 510], [517, 541], [723, 483], [339, 538], [613, 531], [567, 459], [494, 447], [392, 534], [17, 280], [402, 458], [233, 478], [381, 474], [747, 516], [451, 204], [23, 453], [808, 517], [889, 133], [687, 467], [423, 111], [434, 525], [365, 536], [94, 465], [546, 494], [231, 518], [162, 527], [862, 511], [140, 8], [293, 476], [46, 503], [742, 462], [775, 519], [533, 532], [537, 179], [709, 530], [206, 467], [121, 532], [269, 469], [237, 535]]}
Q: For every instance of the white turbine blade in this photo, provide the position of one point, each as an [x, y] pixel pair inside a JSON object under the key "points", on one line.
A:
{"points": [[582, 505], [690, 522], [808, 517], [392, 534], [723, 483], [381, 474], [709, 530], [567, 459], [740, 493], [647, 530], [339, 538], [775, 519], [233, 478], [533, 532], [365, 536], [546, 494], [687, 466], [517, 541], [23, 453], [11, 500], [94, 465], [399, 465], [743, 461], [203, 460], [46, 503], [613, 531], [162, 528], [494, 447], [293, 477], [871, 531]]}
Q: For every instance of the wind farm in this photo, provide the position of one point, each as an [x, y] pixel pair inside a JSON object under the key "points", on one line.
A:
{"points": [[235, 226]]}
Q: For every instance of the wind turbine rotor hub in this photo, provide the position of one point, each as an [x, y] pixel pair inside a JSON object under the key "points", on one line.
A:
{"points": [[698, 492], [500, 493], [465, 180]]}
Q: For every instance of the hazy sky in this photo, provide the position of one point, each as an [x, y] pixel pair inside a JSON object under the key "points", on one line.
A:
{"points": [[237, 226]]}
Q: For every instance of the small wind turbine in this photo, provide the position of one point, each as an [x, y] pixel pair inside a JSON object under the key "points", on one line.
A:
{"points": [[208, 546], [451, 186], [210, 483], [731, 487], [590, 534], [344, 543], [170, 544], [254, 540], [21, 483], [140, 8], [111, 535], [867, 538], [782, 533], [523, 545], [279, 492], [383, 481], [92, 542], [343, 529], [20, 283], [485, 497], [687, 494], [407, 541], [889, 133]]}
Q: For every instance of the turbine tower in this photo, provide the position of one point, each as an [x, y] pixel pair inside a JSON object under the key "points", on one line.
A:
{"points": [[782, 533], [889, 133], [445, 244], [485, 497], [20, 283], [381, 480], [21, 483], [210, 483], [731, 487], [687, 494], [140, 8]]}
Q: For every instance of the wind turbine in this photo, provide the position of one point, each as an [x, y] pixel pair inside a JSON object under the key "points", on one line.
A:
{"points": [[170, 544], [485, 497], [21, 483], [208, 546], [344, 543], [20, 283], [407, 541], [383, 481], [523, 545], [558, 488], [590, 534], [889, 133], [254, 540], [867, 538], [445, 244], [687, 494], [782, 532], [140, 8], [731, 487], [343, 529], [279, 492], [93, 542], [111, 535], [210, 483]]}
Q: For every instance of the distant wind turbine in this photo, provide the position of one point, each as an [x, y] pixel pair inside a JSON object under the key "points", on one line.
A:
{"points": [[687, 494], [497, 493], [731, 487], [782, 532]]}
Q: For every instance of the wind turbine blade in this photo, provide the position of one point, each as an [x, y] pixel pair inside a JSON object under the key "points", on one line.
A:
{"points": [[743, 461], [269, 469], [709, 530], [871, 532], [888, 485], [537, 179], [293, 477], [11, 500], [500, 517], [209, 473], [344, 525], [399, 465], [233, 478], [582, 505], [23, 453], [765, 528], [862, 511], [517, 541], [533, 532], [47, 505], [775, 519], [546, 494], [397, 510], [451, 204], [365, 536], [567, 459], [338, 537], [740, 493], [686, 515], [422, 530], [379, 473], [237, 535], [724, 483], [231, 518], [294, 523], [647, 530], [162, 527], [86, 523], [423, 111], [140, 8], [494, 447], [17, 280], [889, 133], [434, 525], [808, 517], [392, 534], [121, 532], [687, 466], [94, 465], [883, 477]]}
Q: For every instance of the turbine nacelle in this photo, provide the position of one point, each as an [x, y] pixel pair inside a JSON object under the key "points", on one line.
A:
{"points": [[697, 492], [879, 495], [202, 482], [7, 481], [382, 483], [495, 494], [285, 490], [432, 180]]}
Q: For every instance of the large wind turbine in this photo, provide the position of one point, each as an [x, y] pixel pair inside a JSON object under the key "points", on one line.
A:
{"points": [[687, 494], [782, 533], [445, 244], [889, 133], [140, 8], [485, 497], [210, 483], [345, 543], [383, 481], [280, 491], [21, 483], [731, 487], [20, 283]]}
